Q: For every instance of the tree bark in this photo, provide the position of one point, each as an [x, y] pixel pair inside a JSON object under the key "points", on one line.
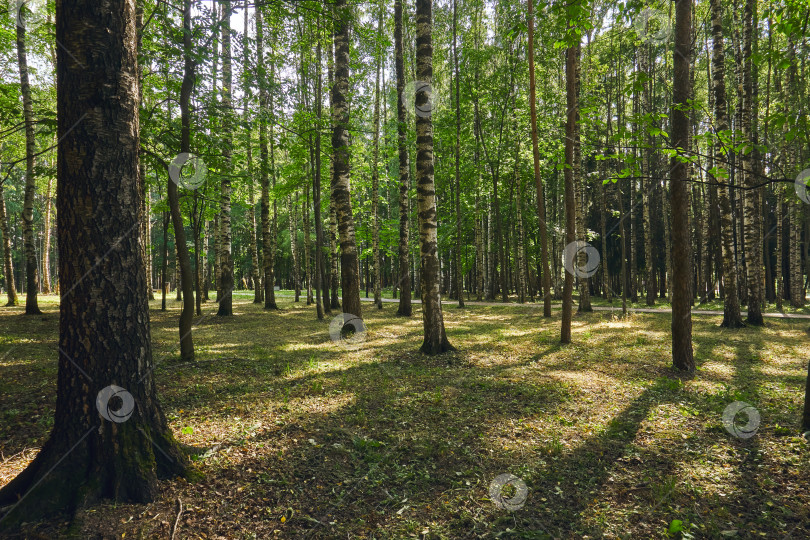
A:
{"points": [[253, 247], [521, 236], [571, 61], [538, 180], [307, 246], [731, 308], [86, 457], [405, 309], [459, 275], [341, 190], [8, 266], [682, 357], [268, 236], [580, 193], [752, 217], [321, 303], [375, 177], [435, 341], [226, 253], [647, 184], [164, 269], [29, 243], [46, 242], [293, 230], [183, 258]]}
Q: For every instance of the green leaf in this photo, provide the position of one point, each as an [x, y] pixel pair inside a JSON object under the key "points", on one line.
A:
{"points": [[676, 526]]}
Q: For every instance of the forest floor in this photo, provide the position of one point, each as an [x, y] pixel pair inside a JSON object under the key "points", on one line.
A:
{"points": [[311, 438]]}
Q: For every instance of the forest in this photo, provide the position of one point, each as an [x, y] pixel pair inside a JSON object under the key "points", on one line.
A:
{"points": [[431, 269]]}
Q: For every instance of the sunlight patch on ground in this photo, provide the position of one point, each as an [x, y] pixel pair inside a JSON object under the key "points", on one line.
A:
{"points": [[722, 370]]}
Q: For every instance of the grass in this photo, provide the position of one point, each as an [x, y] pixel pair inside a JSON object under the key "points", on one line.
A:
{"points": [[311, 439]]}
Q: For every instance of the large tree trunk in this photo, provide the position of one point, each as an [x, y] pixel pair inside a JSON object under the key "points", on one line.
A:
{"points": [[404, 308], [341, 190], [226, 253], [435, 338], [31, 271], [753, 240], [8, 266], [99, 447], [682, 357], [183, 258], [731, 308], [571, 61]]}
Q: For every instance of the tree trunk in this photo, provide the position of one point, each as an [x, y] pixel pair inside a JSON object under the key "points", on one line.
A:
{"points": [[333, 237], [711, 218], [341, 193], [226, 253], [207, 241], [571, 61], [375, 178], [321, 303], [292, 229], [251, 220], [435, 338], [164, 270], [457, 261], [752, 217], [479, 237], [307, 246], [521, 237], [603, 234], [8, 266], [86, 457], [405, 309], [268, 249], [731, 308], [196, 230], [647, 184], [178, 287], [682, 357], [146, 235], [538, 180], [183, 258], [31, 271], [46, 242], [623, 228]]}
